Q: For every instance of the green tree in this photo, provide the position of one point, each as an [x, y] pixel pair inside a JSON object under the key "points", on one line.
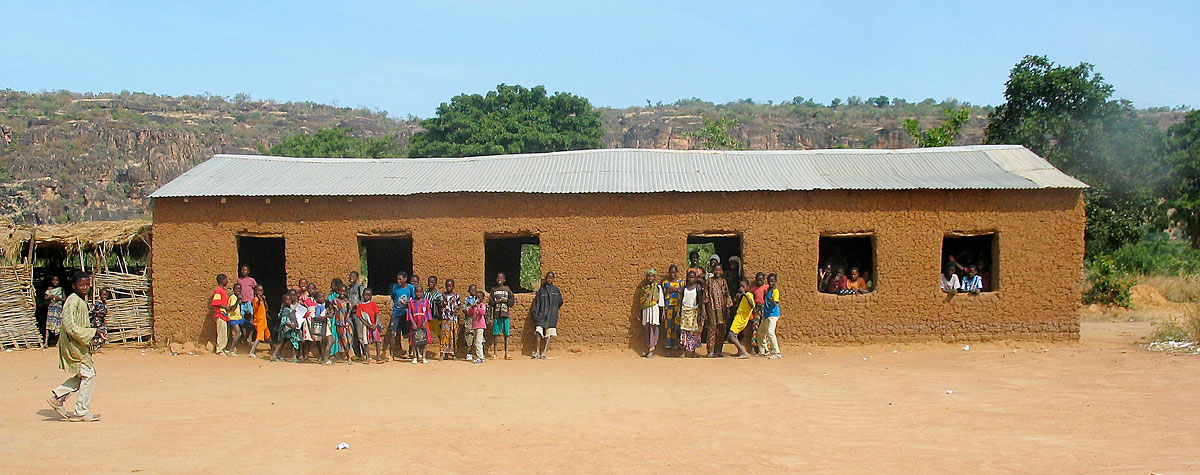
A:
{"points": [[717, 134], [1183, 182], [1066, 115], [941, 135], [336, 143], [511, 119]]}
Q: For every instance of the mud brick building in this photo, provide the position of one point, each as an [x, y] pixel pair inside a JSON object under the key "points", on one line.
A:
{"points": [[600, 218]]}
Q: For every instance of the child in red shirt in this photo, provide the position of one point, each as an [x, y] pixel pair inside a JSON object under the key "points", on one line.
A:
{"points": [[220, 308], [368, 314]]}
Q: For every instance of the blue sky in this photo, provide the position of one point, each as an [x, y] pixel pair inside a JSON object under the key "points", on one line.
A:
{"points": [[407, 58]]}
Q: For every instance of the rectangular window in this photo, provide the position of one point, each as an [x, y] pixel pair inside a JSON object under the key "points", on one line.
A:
{"points": [[979, 250], [518, 256], [266, 259], [843, 255], [380, 258], [721, 244]]}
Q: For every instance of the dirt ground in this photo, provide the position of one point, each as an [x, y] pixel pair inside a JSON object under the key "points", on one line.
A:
{"points": [[1104, 404]]}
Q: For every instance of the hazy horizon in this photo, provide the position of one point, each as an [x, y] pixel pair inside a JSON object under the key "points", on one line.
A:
{"points": [[407, 60]]}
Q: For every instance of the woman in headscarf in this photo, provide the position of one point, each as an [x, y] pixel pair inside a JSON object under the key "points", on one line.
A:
{"points": [[650, 300]]}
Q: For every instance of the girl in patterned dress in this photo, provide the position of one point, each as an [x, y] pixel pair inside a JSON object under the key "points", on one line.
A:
{"points": [[689, 314], [288, 330], [451, 305], [54, 306], [672, 286], [418, 315]]}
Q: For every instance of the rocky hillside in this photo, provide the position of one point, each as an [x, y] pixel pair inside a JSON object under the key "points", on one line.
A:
{"points": [[68, 156]]}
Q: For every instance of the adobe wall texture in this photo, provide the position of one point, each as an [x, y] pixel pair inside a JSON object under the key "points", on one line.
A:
{"points": [[600, 246]]}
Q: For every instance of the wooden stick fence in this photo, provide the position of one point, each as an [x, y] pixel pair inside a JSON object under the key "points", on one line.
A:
{"points": [[18, 326], [129, 319]]}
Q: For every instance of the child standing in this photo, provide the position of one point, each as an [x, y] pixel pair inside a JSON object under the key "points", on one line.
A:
{"points": [[544, 311], [670, 314], [341, 316], [220, 308], [289, 330], [689, 314], [402, 293], [753, 335], [236, 320], [367, 314], [768, 343], [650, 298], [745, 309], [261, 332], [501, 301], [54, 305], [418, 316], [318, 324], [99, 319], [476, 309], [451, 306]]}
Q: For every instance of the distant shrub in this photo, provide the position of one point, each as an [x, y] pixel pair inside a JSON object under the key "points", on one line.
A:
{"points": [[1157, 256], [1108, 285]]}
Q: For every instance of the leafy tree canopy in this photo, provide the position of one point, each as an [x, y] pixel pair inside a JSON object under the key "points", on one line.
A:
{"points": [[1183, 182], [941, 135], [336, 143], [717, 134], [1066, 115], [511, 119]]}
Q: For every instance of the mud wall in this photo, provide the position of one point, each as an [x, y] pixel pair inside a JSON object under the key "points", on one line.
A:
{"points": [[599, 246]]}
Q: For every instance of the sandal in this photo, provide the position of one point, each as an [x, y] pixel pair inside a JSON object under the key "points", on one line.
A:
{"points": [[85, 418], [57, 405]]}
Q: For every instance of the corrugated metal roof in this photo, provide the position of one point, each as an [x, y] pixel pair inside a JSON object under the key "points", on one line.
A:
{"points": [[626, 171]]}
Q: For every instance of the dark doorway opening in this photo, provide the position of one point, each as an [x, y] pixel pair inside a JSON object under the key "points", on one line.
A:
{"points": [[979, 250], [847, 252], [265, 256], [723, 244], [519, 257], [381, 258]]}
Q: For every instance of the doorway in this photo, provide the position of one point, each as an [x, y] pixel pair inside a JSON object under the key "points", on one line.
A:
{"points": [[723, 244], [265, 256], [381, 258]]}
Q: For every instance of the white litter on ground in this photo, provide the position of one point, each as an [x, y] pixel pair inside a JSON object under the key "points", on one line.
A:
{"points": [[949, 391], [1188, 347], [343, 446], [966, 347]]}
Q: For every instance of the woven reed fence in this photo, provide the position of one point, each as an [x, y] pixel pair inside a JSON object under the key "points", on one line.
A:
{"points": [[130, 322], [18, 326]]}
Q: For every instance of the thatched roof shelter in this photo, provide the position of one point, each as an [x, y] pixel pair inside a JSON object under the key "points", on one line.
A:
{"points": [[92, 237]]}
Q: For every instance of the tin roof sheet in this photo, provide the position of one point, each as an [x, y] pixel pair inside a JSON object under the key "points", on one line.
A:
{"points": [[626, 171]]}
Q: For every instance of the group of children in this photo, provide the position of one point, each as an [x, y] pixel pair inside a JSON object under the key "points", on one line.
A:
{"points": [[700, 306], [344, 324]]}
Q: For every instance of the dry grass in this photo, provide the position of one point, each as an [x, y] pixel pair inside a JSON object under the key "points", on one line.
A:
{"points": [[1178, 289], [1186, 327]]}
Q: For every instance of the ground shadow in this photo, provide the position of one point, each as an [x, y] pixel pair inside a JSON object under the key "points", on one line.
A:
{"points": [[50, 415]]}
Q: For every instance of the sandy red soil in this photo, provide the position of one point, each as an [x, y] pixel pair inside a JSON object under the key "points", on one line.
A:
{"points": [[1103, 404]]}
